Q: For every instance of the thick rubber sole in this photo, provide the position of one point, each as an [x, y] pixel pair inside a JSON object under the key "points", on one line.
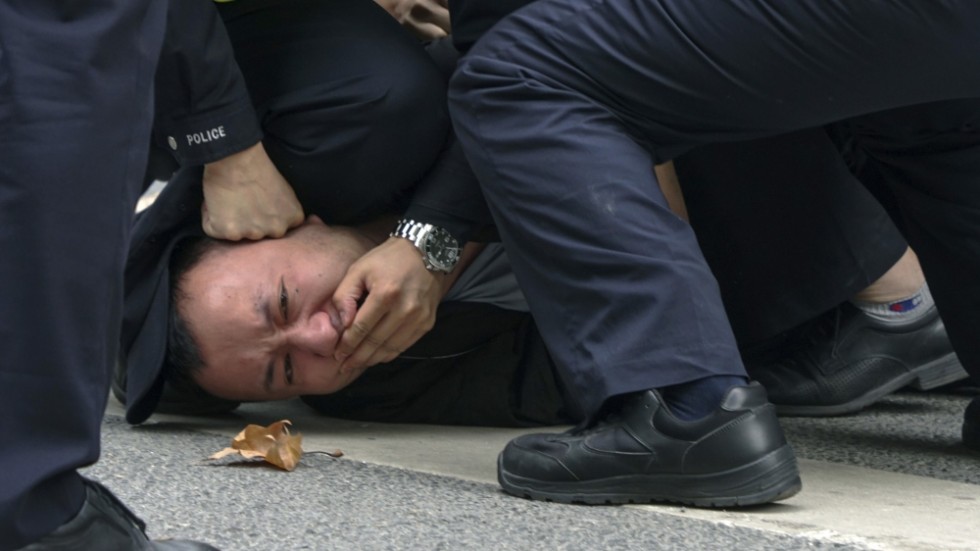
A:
{"points": [[936, 373], [773, 477]]}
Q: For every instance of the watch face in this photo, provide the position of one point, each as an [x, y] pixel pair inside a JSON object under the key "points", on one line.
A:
{"points": [[441, 250]]}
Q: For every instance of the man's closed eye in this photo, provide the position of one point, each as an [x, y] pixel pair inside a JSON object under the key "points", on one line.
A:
{"points": [[287, 364]]}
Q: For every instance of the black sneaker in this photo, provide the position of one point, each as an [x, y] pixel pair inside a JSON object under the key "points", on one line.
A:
{"points": [[641, 453], [105, 524], [971, 425], [846, 361]]}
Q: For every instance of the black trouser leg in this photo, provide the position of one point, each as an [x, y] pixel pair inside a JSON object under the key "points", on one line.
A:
{"points": [[929, 156], [786, 228], [75, 109]]}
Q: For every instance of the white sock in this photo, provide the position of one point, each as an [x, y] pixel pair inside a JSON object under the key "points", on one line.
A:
{"points": [[899, 312]]}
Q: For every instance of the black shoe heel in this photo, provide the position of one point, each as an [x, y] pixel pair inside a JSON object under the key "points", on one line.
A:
{"points": [[938, 373]]}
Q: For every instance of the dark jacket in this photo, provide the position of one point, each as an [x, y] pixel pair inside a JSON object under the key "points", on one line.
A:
{"points": [[205, 111]]}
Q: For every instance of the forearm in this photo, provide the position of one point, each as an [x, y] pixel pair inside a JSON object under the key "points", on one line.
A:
{"points": [[204, 116], [449, 196], [203, 110]]}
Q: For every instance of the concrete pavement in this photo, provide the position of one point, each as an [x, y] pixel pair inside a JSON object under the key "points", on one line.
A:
{"points": [[894, 477]]}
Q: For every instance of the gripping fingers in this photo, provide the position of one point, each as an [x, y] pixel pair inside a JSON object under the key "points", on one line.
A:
{"points": [[369, 331], [389, 338]]}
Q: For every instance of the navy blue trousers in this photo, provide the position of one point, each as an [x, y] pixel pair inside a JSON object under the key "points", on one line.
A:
{"points": [[75, 115], [565, 104]]}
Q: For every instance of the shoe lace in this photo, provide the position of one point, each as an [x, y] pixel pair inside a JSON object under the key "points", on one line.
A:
{"points": [[805, 351]]}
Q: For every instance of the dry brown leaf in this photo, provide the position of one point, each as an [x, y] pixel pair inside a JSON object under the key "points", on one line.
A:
{"points": [[273, 443]]}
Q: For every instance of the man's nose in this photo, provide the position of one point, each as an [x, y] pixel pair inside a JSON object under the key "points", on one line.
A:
{"points": [[315, 336]]}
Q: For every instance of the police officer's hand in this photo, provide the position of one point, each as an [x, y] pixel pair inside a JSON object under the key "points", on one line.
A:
{"points": [[427, 19], [400, 299], [245, 197]]}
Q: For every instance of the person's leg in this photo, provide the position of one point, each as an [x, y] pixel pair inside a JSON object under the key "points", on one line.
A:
{"points": [[611, 243], [929, 156], [618, 102], [352, 107], [75, 108], [904, 278], [600, 90], [786, 229], [791, 234]]}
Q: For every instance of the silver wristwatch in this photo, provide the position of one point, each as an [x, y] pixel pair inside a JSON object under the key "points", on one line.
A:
{"points": [[440, 250]]}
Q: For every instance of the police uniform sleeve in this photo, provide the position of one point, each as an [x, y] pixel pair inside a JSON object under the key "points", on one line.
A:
{"points": [[203, 109], [449, 196]]}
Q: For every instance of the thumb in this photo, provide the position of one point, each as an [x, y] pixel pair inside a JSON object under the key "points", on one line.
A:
{"points": [[348, 297]]}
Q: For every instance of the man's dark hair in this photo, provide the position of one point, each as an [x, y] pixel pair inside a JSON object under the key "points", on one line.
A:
{"points": [[183, 352]]}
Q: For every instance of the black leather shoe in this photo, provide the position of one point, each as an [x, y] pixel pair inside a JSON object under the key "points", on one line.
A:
{"points": [[641, 453], [105, 524], [845, 361], [971, 425]]}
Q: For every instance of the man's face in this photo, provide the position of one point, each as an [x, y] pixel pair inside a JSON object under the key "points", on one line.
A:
{"points": [[261, 313]]}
